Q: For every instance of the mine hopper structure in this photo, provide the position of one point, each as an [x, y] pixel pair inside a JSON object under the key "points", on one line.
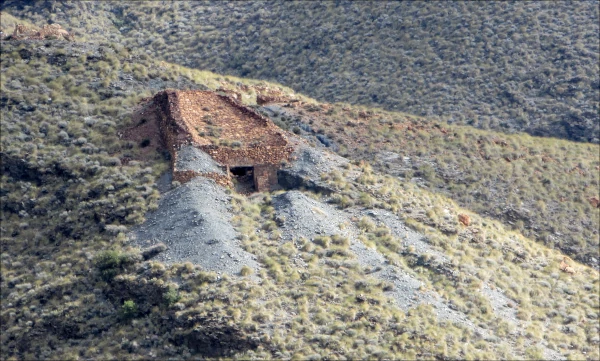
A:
{"points": [[248, 147]]}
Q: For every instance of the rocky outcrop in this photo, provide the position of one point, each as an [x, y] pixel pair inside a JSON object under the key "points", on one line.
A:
{"points": [[291, 179], [266, 95], [207, 336], [565, 267], [52, 31]]}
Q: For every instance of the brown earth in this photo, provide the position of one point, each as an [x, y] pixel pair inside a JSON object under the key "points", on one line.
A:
{"points": [[52, 31], [464, 219]]}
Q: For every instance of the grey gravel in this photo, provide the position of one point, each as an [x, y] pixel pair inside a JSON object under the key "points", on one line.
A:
{"points": [[192, 158], [305, 217], [309, 218], [163, 183], [193, 221], [399, 229], [311, 162]]}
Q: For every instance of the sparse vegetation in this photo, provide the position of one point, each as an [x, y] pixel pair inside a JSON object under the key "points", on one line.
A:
{"points": [[111, 263], [73, 287], [479, 257], [518, 66], [540, 187], [67, 198]]}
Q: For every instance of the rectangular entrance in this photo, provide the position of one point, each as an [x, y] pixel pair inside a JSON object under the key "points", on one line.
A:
{"points": [[243, 179]]}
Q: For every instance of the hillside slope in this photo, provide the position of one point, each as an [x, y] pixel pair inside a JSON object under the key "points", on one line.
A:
{"points": [[509, 66], [545, 188], [350, 263]]}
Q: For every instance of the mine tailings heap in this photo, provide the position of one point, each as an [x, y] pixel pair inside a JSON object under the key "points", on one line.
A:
{"points": [[247, 144]]}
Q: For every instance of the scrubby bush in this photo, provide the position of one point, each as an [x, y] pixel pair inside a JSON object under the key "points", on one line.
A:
{"points": [[171, 296], [246, 271], [111, 263], [86, 198], [128, 310]]}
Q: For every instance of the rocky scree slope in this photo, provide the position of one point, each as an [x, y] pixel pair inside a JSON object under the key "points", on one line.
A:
{"points": [[301, 223], [192, 220]]}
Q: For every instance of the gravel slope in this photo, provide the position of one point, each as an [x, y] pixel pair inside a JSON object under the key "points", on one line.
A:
{"points": [[310, 162], [309, 218], [303, 216], [193, 222], [191, 158]]}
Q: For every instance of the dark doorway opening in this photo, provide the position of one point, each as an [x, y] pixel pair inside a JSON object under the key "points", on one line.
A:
{"points": [[243, 179]]}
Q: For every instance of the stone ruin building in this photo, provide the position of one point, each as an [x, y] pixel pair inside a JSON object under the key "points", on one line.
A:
{"points": [[245, 145]]}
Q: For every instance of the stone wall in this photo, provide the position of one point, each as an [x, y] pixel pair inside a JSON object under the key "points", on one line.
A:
{"points": [[182, 114], [265, 177], [249, 156], [172, 131], [187, 175]]}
